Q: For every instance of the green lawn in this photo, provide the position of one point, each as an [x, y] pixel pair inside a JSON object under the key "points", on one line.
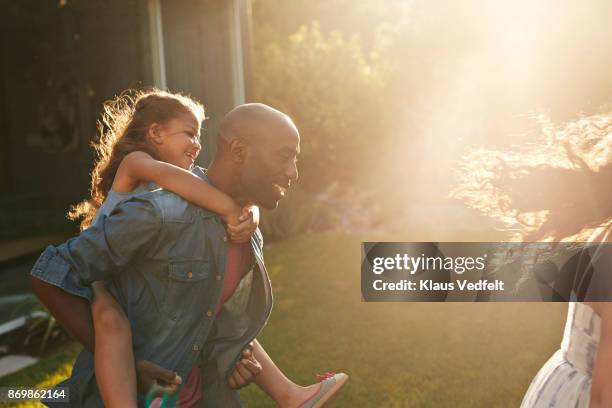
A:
{"points": [[44, 374], [397, 354]]}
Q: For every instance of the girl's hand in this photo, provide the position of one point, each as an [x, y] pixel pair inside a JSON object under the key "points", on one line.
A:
{"points": [[249, 220], [232, 215]]}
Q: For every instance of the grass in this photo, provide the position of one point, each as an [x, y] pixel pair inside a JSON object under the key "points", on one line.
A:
{"points": [[397, 354], [44, 374]]}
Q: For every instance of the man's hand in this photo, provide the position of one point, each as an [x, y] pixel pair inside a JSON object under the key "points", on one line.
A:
{"points": [[248, 222], [246, 369], [232, 215], [152, 377]]}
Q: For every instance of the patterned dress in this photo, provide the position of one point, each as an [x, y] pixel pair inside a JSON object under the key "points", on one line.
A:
{"points": [[565, 379]]}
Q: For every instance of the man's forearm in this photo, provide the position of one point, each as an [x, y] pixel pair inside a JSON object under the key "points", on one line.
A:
{"points": [[71, 311]]}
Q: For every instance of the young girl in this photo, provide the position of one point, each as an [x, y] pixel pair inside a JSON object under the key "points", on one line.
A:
{"points": [[155, 137], [559, 190]]}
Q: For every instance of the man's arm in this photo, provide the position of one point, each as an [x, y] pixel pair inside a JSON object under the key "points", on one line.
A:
{"points": [[103, 249], [96, 254]]}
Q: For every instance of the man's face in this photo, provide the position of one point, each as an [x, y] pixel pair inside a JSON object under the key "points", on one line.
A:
{"points": [[271, 165]]}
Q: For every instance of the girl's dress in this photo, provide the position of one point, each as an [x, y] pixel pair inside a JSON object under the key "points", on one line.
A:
{"points": [[565, 379]]}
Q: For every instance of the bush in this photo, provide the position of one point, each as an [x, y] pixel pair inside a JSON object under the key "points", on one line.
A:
{"points": [[41, 327], [332, 90], [299, 212]]}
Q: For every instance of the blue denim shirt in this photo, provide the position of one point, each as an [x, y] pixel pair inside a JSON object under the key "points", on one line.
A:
{"points": [[164, 260]]}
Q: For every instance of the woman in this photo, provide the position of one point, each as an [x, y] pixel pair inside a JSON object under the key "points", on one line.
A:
{"points": [[559, 190]]}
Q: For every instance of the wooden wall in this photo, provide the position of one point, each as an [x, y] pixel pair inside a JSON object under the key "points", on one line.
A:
{"points": [[59, 63], [199, 49]]}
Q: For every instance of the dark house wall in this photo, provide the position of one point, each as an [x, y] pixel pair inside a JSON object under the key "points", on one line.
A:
{"points": [[58, 66], [60, 60], [199, 50], [5, 147]]}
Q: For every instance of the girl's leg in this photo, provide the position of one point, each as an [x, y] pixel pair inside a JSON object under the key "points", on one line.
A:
{"points": [[273, 382], [113, 355]]}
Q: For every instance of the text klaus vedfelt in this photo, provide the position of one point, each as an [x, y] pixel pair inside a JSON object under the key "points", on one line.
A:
{"points": [[412, 264]]}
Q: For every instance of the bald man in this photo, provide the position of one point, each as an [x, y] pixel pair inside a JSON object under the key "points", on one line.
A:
{"points": [[168, 264], [256, 155]]}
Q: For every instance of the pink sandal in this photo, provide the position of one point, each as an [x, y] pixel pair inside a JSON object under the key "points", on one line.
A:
{"points": [[329, 384]]}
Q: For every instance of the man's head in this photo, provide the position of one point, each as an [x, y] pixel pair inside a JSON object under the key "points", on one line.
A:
{"points": [[260, 145]]}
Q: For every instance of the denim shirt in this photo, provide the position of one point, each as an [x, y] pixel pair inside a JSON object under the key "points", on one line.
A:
{"points": [[164, 260]]}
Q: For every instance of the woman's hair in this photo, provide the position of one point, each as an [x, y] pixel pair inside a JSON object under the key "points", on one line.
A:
{"points": [[123, 129], [557, 188]]}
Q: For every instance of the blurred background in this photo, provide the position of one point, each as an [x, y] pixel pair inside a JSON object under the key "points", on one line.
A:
{"points": [[389, 96]]}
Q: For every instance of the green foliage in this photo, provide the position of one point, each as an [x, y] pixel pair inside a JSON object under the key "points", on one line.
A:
{"points": [[298, 213], [294, 215], [46, 373], [332, 90], [40, 324]]}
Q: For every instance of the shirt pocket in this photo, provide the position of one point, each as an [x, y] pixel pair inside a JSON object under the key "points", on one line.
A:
{"points": [[187, 287]]}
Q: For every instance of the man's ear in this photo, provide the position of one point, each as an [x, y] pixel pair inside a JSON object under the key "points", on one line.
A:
{"points": [[154, 134], [238, 149]]}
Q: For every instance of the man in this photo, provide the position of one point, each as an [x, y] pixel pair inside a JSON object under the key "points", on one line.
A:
{"points": [[165, 259]]}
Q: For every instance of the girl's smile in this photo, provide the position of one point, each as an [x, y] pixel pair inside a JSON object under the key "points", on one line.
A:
{"points": [[178, 141]]}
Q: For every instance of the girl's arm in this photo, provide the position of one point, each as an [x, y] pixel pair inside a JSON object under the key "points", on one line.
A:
{"points": [[249, 222], [137, 167], [601, 386]]}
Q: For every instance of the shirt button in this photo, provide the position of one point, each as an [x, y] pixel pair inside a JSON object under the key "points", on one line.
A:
{"points": [[189, 275], [195, 347], [218, 277], [209, 313], [225, 239]]}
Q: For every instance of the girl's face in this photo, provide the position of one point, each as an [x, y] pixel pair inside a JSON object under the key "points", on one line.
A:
{"points": [[178, 140]]}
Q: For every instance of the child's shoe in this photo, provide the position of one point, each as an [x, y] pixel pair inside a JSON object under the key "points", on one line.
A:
{"points": [[329, 384]]}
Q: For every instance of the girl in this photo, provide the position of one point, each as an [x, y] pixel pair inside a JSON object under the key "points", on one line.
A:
{"points": [[559, 190], [155, 137]]}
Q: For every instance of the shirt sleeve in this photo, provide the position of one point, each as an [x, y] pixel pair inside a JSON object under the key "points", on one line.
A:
{"points": [[102, 250]]}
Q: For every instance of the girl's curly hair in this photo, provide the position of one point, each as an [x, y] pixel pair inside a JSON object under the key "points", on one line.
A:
{"points": [[122, 129], [557, 189]]}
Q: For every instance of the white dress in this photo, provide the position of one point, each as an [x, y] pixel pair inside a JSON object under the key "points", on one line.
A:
{"points": [[565, 379]]}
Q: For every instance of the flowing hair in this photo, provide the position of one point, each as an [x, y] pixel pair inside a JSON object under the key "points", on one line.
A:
{"points": [[556, 189], [122, 129]]}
